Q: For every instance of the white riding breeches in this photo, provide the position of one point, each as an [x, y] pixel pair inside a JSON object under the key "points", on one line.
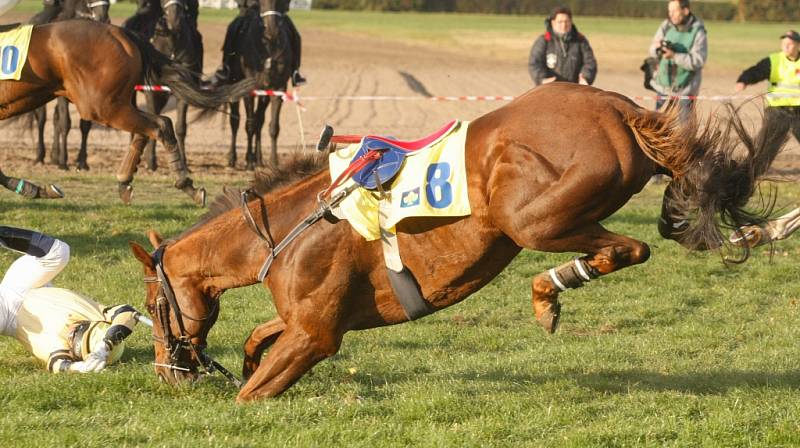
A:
{"points": [[25, 273]]}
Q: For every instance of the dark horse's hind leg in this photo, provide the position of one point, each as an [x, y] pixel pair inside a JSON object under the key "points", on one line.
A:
{"points": [[40, 115], [61, 126], [234, 121], [261, 338], [143, 126], [276, 104], [86, 126], [30, 190]]}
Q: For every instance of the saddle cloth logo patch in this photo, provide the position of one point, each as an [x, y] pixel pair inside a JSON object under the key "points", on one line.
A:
{"points": [[14, 51], [432, 182]]}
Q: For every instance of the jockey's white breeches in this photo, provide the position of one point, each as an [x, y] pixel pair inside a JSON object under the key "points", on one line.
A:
{"points": [[25, 273]]}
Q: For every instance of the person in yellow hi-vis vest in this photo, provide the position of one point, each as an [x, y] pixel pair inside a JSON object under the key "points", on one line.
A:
{"points": [[782, 70], [65, 330]]}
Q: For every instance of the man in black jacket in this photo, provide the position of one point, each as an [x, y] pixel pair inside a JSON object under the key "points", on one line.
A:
{"points": [[562, 53]]}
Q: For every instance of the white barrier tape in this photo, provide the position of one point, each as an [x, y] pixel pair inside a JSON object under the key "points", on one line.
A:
{"points": [[294, 96]]}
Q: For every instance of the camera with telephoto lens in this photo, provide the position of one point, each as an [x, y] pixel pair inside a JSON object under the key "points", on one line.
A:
{"points": [[665, 44]]}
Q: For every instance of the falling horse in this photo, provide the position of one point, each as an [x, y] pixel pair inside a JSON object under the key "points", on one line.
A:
{"points": [[72, 9], [99, 80], [542, 185]]}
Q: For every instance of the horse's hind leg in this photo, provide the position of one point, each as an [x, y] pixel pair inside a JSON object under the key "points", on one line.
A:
{"points": [[180, 130], [294, 353], [86, 126], [40, 115], [143, 126], [61, 125], [261, 338], [261, 108]]}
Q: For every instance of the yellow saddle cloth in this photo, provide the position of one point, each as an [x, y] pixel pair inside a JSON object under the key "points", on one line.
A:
{"points": [[14, 51], [432, 182]]}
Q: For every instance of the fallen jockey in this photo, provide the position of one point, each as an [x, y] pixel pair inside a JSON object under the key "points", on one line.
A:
{"points": [[63, 329]]}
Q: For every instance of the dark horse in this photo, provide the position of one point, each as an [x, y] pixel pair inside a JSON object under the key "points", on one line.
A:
{"points": [[263, 52], [99, 80], [72, 9], [176, 36], [537, 184]]}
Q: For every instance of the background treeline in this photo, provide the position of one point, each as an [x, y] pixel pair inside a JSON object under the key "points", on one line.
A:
{"points": [[743, 10]]}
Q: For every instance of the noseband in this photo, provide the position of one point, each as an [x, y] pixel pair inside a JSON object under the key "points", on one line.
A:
{"points": [[269, 13], [174, 344]]}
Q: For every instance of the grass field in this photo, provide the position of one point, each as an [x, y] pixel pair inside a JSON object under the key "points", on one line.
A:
{"points": [[681, 351]]}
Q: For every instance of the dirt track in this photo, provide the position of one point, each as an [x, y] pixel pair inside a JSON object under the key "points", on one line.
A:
{"points": [[338, 64]]}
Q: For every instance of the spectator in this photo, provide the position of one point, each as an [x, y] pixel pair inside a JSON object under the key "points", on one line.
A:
{"points": [[562, 53], [681, 47], [782, 70]]}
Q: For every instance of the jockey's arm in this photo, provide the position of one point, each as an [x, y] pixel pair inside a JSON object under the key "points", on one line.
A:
{"points": [[123, 321]]}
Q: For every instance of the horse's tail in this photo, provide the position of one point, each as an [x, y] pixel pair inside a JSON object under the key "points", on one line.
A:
{"points": [[157, 67], [716, 167]]}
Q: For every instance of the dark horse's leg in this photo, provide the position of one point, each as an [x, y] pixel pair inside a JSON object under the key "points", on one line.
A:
{"points": [[61, 126], [261, 108], [260, 339], [86, 126], [234, 121], [28, 189], [250, 129], [40, 115], [155, 104], [180, 129], [275, 127], [144, 125]]}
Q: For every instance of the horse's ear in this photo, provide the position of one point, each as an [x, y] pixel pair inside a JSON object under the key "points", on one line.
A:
{"points": [[141, 254], [155, 238]]}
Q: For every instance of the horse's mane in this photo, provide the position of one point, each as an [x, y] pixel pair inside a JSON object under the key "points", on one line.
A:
{"points": [[299, 166]]}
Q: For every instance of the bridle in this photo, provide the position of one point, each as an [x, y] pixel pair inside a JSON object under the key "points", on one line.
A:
{"points": [[166, 302]]}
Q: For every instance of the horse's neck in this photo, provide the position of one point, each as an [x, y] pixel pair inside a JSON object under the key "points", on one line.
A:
{"points": [[229, 253]]}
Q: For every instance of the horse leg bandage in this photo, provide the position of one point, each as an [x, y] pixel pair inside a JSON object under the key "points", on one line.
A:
{"points": [[573, 274]]}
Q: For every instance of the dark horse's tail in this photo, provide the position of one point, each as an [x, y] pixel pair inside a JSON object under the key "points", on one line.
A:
{"points": [[156, 67], [715, 168]]}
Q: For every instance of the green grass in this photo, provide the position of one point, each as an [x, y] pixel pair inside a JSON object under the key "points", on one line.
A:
{"points": [[680, 351]]}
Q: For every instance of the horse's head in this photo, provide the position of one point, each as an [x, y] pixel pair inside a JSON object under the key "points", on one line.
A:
{"points": [[182, 314], [98, 10], [174, 14], [272, 12]]}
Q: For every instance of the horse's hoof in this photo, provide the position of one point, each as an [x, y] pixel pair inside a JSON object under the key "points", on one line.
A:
{"points": [[52, 192], [750, 236], [126, 193], [549, 319], [63, 167], [200, 197], [82, 167]]}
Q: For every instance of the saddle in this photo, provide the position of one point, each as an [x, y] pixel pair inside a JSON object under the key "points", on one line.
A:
{"points": [[393, 152]]}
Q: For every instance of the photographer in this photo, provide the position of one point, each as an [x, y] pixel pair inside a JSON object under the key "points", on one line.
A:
{"points": [[681, 47]]}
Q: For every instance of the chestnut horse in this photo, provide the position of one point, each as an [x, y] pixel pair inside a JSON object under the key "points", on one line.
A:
{"points": [[542, 172], [96, 66]]}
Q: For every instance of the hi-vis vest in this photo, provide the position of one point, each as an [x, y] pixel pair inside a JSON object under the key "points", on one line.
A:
{"points": [[671, 74], [784, 81]]}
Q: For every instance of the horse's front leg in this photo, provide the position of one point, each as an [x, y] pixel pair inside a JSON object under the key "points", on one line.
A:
{"points": [[61, 126], [181, 130], [28, 189], [261, 108], [234, 122], [275, 127], [299, 348], [261, 338], [249, 127], [40, 115]]}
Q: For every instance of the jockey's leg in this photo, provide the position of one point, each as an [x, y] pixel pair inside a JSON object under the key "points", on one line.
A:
{"points": [[44, 258], [297, 49]]}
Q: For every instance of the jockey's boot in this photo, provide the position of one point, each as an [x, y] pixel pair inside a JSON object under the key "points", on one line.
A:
{"points": [[298, 79], [25, 241], [220, 77]]}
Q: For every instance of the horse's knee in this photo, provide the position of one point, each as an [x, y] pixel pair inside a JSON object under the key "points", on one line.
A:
{"points": [[640, 252]]}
